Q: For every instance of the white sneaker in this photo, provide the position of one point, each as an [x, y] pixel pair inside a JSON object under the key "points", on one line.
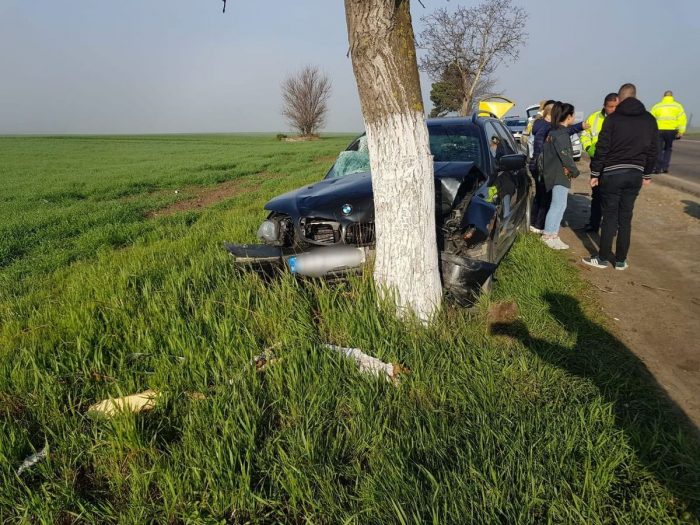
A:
{"points": [[555, 243], [596, 262], [536, 230]]}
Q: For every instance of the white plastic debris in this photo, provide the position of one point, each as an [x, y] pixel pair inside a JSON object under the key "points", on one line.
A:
{"points": [[33, 459], [367, 363], [134, 403]]}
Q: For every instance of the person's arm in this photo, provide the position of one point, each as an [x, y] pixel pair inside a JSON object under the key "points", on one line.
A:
{"points": [[601, 149], [566, 154], [652, 149], [578, 128], [682, 123], [587, 136]]}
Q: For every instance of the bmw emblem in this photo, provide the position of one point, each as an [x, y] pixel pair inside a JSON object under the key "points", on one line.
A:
{"points": [[346, 209]]}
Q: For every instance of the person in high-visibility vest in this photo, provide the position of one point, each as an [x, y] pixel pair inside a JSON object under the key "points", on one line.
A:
{"points": [[589, 138], [670, 117]]}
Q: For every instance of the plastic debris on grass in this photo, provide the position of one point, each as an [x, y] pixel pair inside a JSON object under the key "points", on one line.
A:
{"points": [[370, 365], [33, 459], [133, 403], [147, 400]]}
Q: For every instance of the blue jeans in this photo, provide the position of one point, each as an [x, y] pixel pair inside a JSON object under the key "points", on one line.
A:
{"points": [[556, 210]]}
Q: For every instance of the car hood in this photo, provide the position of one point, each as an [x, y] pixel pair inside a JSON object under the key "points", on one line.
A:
{"points": [[327, 198]]}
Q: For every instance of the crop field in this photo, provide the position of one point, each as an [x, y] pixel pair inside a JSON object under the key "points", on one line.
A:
{"points": [[113, 281]]}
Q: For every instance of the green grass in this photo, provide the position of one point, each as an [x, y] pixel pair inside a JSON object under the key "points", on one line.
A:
{"points": [[543, 418]]}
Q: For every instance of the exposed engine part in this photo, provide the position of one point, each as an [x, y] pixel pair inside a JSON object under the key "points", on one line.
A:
{"points": [[323, 261], [319, 231]]}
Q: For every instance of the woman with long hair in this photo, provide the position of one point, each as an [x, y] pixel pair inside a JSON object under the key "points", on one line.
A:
{"points": [[558, 168]]}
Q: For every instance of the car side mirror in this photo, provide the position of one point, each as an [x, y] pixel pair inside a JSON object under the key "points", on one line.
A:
{"points": [[515, 161]]}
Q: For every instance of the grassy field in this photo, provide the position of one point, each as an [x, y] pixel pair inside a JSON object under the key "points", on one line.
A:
{"points": [[526, 410]]}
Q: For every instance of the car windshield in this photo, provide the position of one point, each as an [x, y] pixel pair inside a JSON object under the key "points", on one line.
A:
{"points": [[448, 143]]}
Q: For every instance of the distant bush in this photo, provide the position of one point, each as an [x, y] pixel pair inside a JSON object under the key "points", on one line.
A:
{"points": [[281, 136]]}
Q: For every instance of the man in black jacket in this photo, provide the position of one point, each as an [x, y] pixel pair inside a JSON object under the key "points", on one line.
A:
{"points": [[624, 159]]}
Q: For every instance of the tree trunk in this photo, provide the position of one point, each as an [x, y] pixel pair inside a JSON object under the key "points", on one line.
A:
{"points": [[383, 54], [466, 98]]}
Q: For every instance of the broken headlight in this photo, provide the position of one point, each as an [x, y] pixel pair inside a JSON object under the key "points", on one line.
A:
{"points": [[269, 231]]}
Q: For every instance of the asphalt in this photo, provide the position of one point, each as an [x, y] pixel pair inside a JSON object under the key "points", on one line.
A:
{"points": [[685, 160], [684, 172]]}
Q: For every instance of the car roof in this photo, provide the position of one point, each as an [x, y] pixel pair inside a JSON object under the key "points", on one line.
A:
{"points": [[459, 121]]}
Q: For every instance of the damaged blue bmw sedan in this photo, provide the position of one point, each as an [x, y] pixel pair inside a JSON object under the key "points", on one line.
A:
{"points": [[483, 197]]}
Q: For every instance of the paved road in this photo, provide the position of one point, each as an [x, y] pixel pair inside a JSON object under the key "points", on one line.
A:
{"points": [[685, 160]]}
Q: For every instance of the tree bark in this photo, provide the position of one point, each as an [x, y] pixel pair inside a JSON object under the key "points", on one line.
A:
{"points": [[382, 49]]}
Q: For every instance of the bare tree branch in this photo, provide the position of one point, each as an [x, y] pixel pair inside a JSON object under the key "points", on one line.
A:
{"points": [[305, 97], [474, 41]]}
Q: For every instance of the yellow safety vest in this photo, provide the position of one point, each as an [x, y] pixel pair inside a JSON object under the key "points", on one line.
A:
{"points": [[669, 115], [589, 137]]}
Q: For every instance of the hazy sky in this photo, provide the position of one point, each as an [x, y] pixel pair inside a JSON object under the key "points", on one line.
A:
{"points": [[146, 66]]}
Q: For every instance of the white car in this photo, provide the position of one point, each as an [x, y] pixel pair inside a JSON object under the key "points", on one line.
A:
{"points": [[530, 138]]}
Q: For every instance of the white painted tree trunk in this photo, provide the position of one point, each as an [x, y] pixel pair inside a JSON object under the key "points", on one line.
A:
{"points": [[383, 54], [406, 262]]}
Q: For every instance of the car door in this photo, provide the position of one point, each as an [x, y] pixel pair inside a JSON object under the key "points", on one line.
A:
{"points": [[511, 184]]}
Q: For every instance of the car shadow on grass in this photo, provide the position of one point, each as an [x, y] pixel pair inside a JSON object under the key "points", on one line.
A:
{"points": [[666, 441]]}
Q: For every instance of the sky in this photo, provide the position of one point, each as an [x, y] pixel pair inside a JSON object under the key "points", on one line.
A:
{"points": [[181, 66]]}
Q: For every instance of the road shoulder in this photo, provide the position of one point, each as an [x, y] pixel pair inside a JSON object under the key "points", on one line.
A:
{"points": [[655, 304]]}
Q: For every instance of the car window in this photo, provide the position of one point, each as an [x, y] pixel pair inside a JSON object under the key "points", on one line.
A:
{"points": [[448, 143], [353, 160], [507, 138], [498, 146], [516, 123], [452, 143]]}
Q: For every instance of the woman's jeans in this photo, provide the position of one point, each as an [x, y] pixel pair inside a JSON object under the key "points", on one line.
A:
{"points": [[556, 211]]}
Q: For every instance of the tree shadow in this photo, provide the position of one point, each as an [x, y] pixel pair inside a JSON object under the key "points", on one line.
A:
{"points": [[692, 208], [666, 441]]}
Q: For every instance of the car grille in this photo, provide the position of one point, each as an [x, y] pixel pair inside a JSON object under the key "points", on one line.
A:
{"points": [[359, 233]]}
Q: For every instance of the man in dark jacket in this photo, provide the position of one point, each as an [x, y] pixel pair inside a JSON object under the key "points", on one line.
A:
{"points": [[624, 159]]}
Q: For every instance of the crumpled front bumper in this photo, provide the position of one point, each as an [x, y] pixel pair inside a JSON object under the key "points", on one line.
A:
{"points": [[461, 276]]}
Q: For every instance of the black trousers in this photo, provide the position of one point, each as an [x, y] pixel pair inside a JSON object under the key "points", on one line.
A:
{"points": [[540, 205], [596, 208], [618, 191], [666, 138]]}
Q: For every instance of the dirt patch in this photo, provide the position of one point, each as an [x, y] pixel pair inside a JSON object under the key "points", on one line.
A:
{"points": [[301, 139], [197, 197], [505, 312], [502, 320]]}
